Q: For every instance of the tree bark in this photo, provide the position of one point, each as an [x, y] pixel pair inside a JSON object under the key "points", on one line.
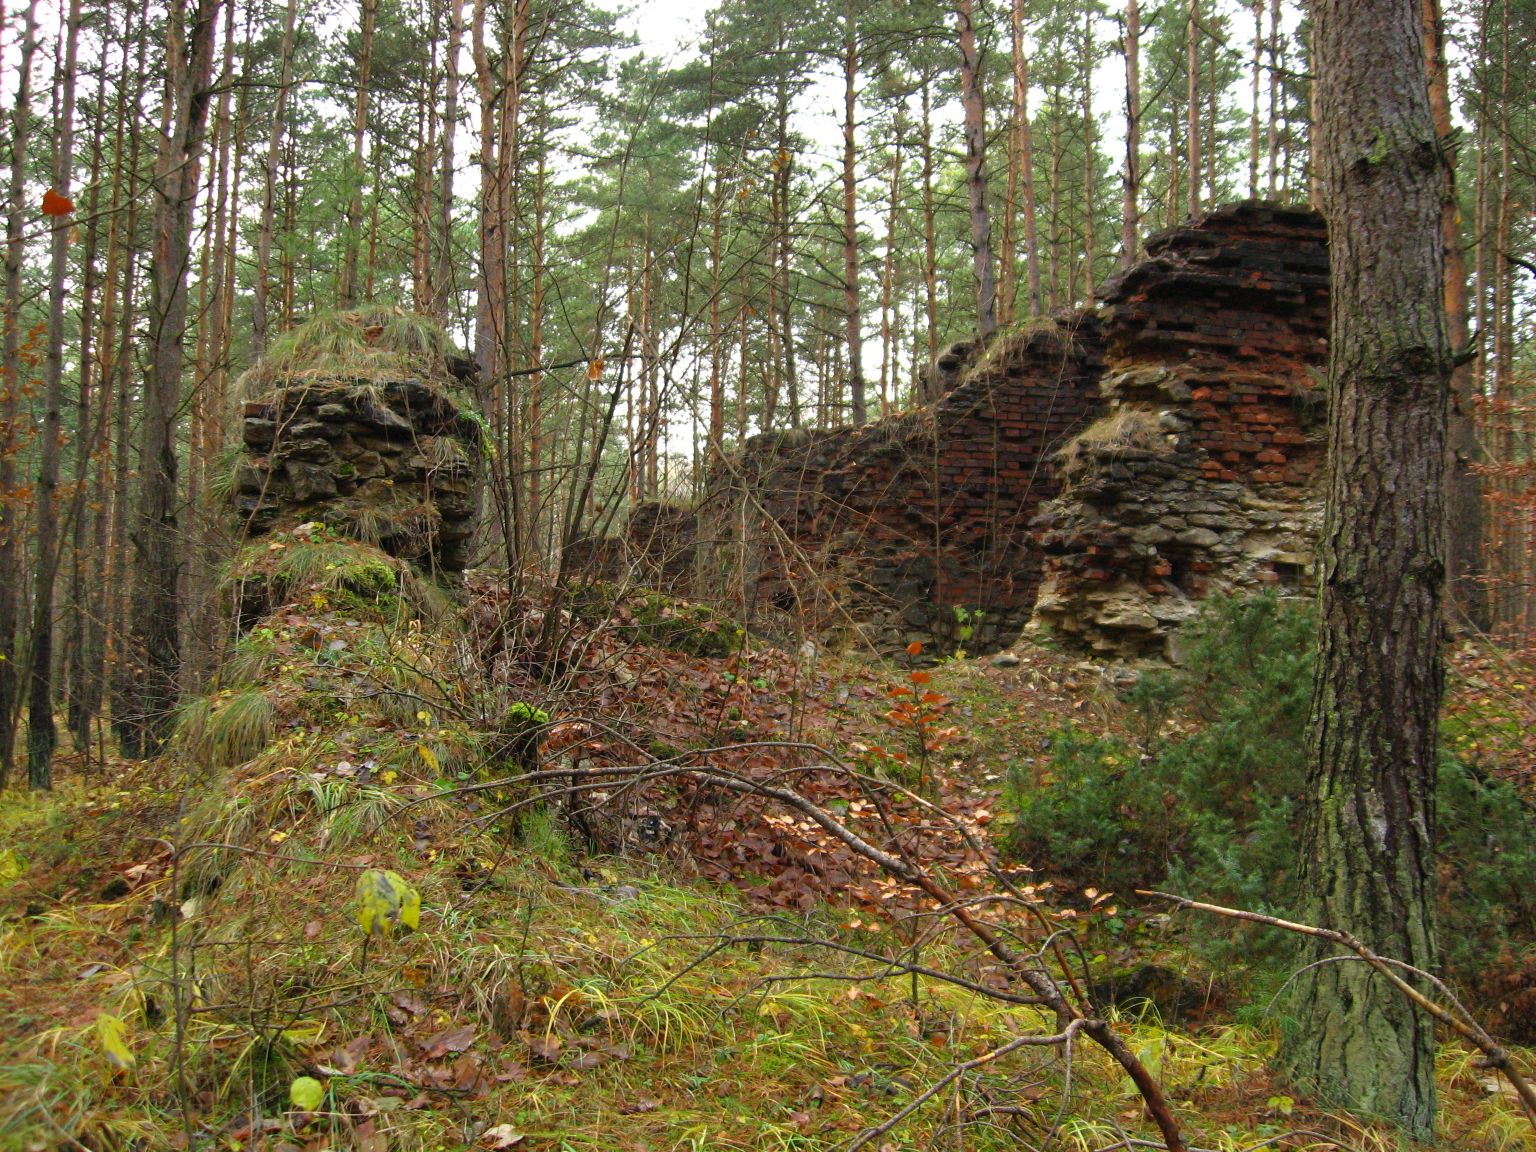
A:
{"points": [[442, 279], [1130, 210], [930, 231], [888, 339], [156, 646], [1464, 502], [851, 218], [42, 734], [261, 290], [346, 291], [1025, 162], [1273, 143], [1253, 111], [1192, 104], [124, 372], [1368, 827], [975, 170], [81, 661], [10, 397]]}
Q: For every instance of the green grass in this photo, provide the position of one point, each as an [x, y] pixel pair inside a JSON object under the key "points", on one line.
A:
{"points": [[227, 729]]}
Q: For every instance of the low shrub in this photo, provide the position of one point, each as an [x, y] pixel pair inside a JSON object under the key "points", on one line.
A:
{"points": [[1203, 798]]}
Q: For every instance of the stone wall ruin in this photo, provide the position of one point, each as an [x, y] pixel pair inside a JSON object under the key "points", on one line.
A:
{"points": [[388, 456], [1094, 476]]}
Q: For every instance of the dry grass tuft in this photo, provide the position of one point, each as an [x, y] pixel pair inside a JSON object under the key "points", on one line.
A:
{"points": [[374, 343], [1124, 430]]}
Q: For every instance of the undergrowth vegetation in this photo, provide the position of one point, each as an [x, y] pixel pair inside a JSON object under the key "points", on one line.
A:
{"points": [[1198, 794], [648, 963]]}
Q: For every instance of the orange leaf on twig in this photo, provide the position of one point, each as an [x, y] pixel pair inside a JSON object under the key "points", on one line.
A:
{"points": [[57, 205]]}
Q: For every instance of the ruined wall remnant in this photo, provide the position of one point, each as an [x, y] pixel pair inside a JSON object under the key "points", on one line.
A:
{"points": [[1198, 476], [1095, 476], [897, 524], [374, 445]]}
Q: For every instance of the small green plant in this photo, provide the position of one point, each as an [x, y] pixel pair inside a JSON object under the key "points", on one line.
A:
{"points": [[967, 620]]}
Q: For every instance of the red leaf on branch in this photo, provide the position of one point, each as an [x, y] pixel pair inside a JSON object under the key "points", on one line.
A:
{"points": [[57, 205]]}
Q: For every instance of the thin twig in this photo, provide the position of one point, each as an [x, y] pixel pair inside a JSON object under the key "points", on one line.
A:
{"points": [[959, 1070], [1494, 1055]]}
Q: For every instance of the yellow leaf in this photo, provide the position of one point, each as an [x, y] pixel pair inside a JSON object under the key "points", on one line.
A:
{"points": [[12, 866], [385, 902], [112, 1035], [306, 1094], [429, 758], [595, 369]]}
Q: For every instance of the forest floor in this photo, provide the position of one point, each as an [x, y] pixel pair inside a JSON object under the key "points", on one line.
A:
{"points": [[657, 962]]}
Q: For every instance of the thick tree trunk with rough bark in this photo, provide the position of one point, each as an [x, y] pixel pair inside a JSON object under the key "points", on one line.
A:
{"points": [[1367, 849]]}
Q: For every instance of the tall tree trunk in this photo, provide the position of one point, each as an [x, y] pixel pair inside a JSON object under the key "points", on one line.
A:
{"points": [[930, 232], [123, 681], [888, 343], [442, 279], [157, 576], [346, 290], [535, 455], [1026, 158], [1508, 592], [11, 384], [715, 448], [1464, 503], [851, 217], [1368, 821], [785, 182], [42, 735], [1130, 210], [209, 394], [91, 424], [261, 290], [1192, 104], [1273, 149], [975, 128], [1057, 238], [1090, 166], [1253, 111]]}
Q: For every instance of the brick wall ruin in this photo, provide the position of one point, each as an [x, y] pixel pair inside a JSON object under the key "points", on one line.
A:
{"points": [[1096, 475], [1198, 475], [897, 524]]}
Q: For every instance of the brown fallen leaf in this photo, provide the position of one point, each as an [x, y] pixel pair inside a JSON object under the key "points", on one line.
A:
{"points": [[545, 1047], [448, 1040]]}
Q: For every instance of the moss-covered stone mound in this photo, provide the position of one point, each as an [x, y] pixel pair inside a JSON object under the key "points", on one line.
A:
{"points": [[356, 421]]}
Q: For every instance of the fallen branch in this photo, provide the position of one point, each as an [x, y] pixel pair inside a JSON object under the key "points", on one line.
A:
{"points": [[1059, 1039], [1495, 1056], [1072, 1011]]}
